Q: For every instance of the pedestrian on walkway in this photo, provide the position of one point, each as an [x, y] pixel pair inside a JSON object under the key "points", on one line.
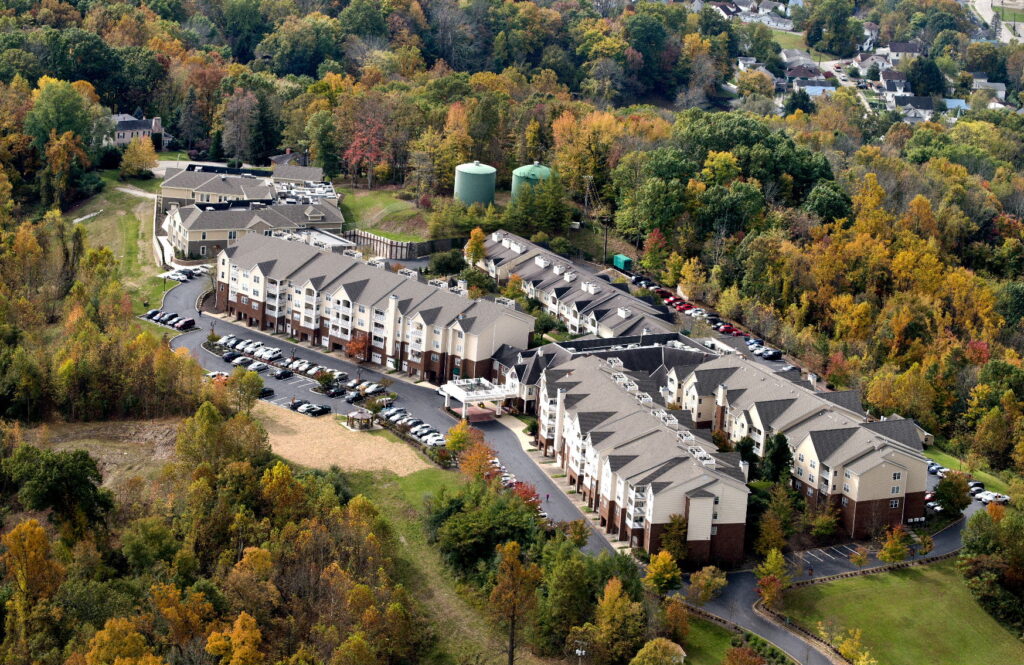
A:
{"points": [[546, 497], [810, 571]]}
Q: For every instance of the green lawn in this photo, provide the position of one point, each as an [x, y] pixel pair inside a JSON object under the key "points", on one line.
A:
{"points": [[796, 40], [945, 459], [1008, 15], [706, 642], [910, 617], [383, 213]]}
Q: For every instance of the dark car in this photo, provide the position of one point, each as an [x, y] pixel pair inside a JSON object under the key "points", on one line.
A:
{"points": [[334, 392], [976, 483], [773, 355], [229, 356], [295, 404], [283, 374], [151, 313], [353, 396], [318, 410], [266, 392], [163, 318], [185, 324]]}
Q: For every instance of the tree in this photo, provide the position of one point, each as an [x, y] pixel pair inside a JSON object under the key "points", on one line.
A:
{"points": [[770, 589], [513, 598], [238, 646], [357, 347], [742, 656], [926, 543], [139, 157], [451, 262], [57, 108], [659, 651], [754, 83], [693, 280], [244, 387], [461, 436], [324, 146], [475, 251], [705, 584], [118, 643], [68, 483], [475, 460], [663, 572], [33, 573], [675, 618], [777, 460], [65, 155], [925, 78], [859, 557], [771, 535], [772, 578], [799, 101], [673, 538], [239, 120], [146, 541], [951, 493], [207, 437], [896, 547], [620, 623], [656, 251], [828, 201]]}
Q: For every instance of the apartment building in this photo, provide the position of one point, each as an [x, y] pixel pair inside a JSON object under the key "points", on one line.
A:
{"points": [[197, 231], [587, 302], [330, 299], [198, 184], [636, 464], [840, 458]]}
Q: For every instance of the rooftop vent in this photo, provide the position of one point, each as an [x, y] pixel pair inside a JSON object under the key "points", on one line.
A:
{"points": [[590, 287], [542, 261], [517, 248], [353, 253], [644, 398], [409, 273], [619, 377], [506, 302], [439, 283], [377, 263], [559, 269], [569, 276], [615, 362], [623, 312], [702, 456]]}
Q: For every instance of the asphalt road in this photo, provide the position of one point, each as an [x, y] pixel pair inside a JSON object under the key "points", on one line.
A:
{"points": [[421, 401]]}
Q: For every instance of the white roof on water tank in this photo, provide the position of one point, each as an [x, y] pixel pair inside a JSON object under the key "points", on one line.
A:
{"points": [[476, 168]]}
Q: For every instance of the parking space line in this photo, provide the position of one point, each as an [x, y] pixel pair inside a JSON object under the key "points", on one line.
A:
{"points": [[811, 553], [825, 553]]}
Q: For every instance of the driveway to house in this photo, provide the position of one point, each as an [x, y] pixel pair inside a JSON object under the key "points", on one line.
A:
{"points": [[420, 400]]}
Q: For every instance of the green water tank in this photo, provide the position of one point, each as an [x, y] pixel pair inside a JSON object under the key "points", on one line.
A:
{"points": [[474, 183], [530, 174]]}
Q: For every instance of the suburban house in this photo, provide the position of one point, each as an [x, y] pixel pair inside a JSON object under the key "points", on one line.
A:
{"points": [[636, 465], [828, 433], [981, 82], [899, 51], [330, 299], [198, 183], [204, 230], [128, 127], [587, 302]]}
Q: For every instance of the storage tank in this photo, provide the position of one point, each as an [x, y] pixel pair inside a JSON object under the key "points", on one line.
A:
{"points": [[530, 174], [474, 183]]}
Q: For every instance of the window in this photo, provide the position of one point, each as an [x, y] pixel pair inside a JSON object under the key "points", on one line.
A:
{"points": [[846, 474], [800, 472], [814, 464], [810, 491], [896, 475], [801, 457], [435, 357], [716, 500], [714, 531], [204, 235], [255, 305], [460, 335], [255, 279], [846, 487], [437, 331], [222, 274], [895, 489], [268, 232], [458, 348], [245, 301], [232, 235], [894, 503], [437, 345], [458, 362], [810, 477], [845, 501], [202, 250], [362, 309], [714, 515]]}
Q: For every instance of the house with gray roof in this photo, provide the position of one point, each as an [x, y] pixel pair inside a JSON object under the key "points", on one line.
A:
{"points": [[637, 466], [588, 302], [204, 230], [338, 302], [128, 127]]}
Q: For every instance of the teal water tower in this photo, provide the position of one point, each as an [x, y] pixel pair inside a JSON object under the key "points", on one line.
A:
{"points": [[528, 175], [474, 183]]}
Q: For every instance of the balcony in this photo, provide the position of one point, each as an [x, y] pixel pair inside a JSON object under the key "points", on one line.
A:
{"points": [[378, 317], [416, 346]]}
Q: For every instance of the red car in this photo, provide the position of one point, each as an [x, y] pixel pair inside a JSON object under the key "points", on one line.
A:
{"points": [[738, 333], [686, 306], [680, 308]]}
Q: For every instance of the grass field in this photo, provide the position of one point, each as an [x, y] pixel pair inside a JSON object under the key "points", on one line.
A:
{"points": [[706, 643], [464, 633], [121, 221], [945, 459], [1009, 15], [381, 212], [910, 617], [796, 40]]}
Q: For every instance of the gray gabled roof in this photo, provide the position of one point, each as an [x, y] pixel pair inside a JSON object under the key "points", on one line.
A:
{"points": [[904, 430], [826, 442], [295, 172]]}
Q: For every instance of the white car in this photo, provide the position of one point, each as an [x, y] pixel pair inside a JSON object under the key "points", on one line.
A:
{"points": [[223, 341], [294, 364], [217, 375], [302, 366], [259, 367], [313, 370], [305, 407]]}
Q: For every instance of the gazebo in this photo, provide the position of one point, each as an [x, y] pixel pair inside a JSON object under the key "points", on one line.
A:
{"points": [[359, 419], [474, 392]]}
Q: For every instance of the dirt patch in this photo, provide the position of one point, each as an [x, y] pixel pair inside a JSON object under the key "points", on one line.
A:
{"points": [[121, 448], [322, 443]]}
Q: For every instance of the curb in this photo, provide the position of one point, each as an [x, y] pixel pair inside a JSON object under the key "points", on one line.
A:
{"points": [[818, 644], [735, 627]]}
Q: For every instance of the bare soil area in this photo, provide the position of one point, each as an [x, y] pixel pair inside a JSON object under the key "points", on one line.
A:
{"points": [[323, 442]]}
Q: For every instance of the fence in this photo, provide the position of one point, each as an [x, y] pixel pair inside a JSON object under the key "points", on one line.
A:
{"points": [[399, 249]]}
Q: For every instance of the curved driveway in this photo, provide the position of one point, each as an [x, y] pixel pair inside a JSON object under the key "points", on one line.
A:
{"points": [[421, 401]]}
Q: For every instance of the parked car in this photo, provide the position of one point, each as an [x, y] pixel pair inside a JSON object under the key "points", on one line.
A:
{"points": [[297, 404], [787, 368], [242, 361], [351, 385], [266, 392], [259, 367], [185, 324], [373, 389], [317, 410], [283, 373], [314, 370], [975, 483], [150, 314], [217, 375], [933, 468], [334, 392], [774, 354], [353, 396], [934, 506], [223, 341], [929, 496], [974, 491], [943, 472], [230, 356]]}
